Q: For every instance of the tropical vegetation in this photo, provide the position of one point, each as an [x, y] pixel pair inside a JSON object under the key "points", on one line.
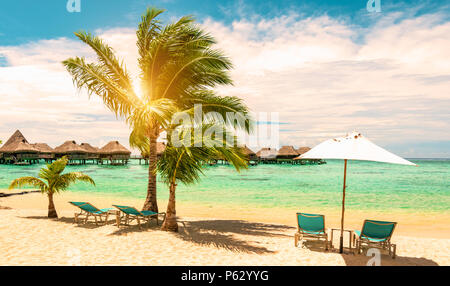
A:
{"points": [[185, 163], [51, 181], [179, 67]]}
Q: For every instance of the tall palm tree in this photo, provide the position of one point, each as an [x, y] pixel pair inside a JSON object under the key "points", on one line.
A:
{"points": [[185, 163], [55, 181], [178, 68]]}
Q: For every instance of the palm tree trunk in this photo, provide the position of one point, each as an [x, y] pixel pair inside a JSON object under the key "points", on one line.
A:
{"points": [[170, 223], [51, 207], [151, 203]]}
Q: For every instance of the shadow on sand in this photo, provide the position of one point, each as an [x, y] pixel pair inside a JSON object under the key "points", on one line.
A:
{"points": [[4, 195], [69, 220], [386, 260], [362, 259], [219, 233], [125, 229]]}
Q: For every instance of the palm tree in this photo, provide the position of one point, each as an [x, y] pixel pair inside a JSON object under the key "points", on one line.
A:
{"points": [[178, 68], [55, 181], [184, 164]]}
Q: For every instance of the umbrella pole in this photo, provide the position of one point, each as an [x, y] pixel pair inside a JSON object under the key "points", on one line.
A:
{"points": [[341, 240]]}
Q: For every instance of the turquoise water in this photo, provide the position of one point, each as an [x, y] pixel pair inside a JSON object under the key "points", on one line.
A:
{"points": [[370, 185]]}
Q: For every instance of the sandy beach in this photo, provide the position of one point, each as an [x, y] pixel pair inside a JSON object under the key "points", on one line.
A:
{"points": [[207, 236]]}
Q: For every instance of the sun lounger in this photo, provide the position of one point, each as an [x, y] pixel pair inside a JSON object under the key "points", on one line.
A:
{"points": [[88, 210], [131, 213], [376, 234], [311, 226]]}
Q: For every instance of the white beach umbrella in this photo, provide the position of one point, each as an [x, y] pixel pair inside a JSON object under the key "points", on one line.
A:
{"points": [[353, 146]]}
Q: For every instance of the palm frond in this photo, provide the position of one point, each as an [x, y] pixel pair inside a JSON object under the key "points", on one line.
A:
{"points": [[139, 138], [196, 69], [160, 51], [65, 180], [96, 80], [28, 181], [148, 29], [115, 70], [232, 109], [159, 110], [53, 170], [185, 163]]}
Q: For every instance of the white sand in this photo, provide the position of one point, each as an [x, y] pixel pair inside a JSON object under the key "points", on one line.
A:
{"points": [[28, 237]]}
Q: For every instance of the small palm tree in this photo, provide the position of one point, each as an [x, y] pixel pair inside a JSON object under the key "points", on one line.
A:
{"points": [[184, 164], [56, 181]]}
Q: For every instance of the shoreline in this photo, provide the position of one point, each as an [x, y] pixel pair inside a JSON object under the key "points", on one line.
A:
{"points": [[413, 224]]}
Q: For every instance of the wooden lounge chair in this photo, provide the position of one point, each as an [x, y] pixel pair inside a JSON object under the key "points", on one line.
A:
{"points": [[376, 234], [131, 213], [311, 226], [88, 210]]}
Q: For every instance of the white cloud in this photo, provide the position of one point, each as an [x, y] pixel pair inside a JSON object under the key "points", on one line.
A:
{"points": [[391, 84], [38, 97]]}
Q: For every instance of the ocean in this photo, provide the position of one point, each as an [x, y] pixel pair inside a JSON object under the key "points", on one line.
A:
{"points": [[370, 185]]}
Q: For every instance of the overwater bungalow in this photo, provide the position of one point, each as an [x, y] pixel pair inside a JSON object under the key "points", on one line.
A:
{"points": [[45, 152], [25, 154], [251, 156], [286, 154], [73, 151], [18, 151], [303, 150], [115, 153], [160, 147], [267, 155], [93, 153]]}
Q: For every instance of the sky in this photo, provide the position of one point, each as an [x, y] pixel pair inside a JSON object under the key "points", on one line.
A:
{"points": [[325, 67]]}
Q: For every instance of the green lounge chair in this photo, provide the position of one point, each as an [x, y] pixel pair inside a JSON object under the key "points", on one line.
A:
{"points": [[311, 226], [88, 210], [131, 213], [377, 234]]}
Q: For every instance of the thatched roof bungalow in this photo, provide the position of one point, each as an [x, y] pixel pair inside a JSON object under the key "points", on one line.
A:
{"points": [[287, 152], [25, 151], [267, 154], [115, 151], [45, 151], [92, 152], [71, 150], [12, 142], [43, 148], [18, 147], [303, 150], [249, 153]]}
